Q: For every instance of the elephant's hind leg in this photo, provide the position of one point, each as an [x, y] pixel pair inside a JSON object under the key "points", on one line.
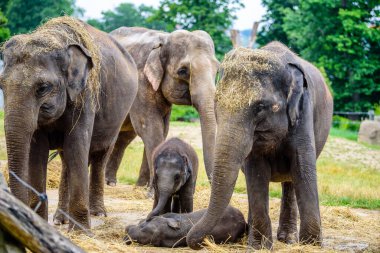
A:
{"points": [[144, 175], [287, 229]]}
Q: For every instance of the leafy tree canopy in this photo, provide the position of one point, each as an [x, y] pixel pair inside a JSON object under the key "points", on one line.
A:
{"points": [[341, 37], [126, 14], [212, 16], [24, 16]]}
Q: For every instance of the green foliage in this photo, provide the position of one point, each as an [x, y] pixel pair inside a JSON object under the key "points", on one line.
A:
{"points": [[126, 14], [4, 31], [183, 113], [273, 21], [24, 16], [343, 123], [340, 36], [377, 109], [212, 16], [345, 134]]}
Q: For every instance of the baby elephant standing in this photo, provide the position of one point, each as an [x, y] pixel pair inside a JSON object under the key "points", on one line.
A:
{"points": [[175, 166], [170, 229]]}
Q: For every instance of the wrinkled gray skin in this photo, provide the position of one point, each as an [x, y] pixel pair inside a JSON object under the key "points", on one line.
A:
{"points": [[275, 138], [175, 165], [174, 68], [169, 230], [40, 115]]}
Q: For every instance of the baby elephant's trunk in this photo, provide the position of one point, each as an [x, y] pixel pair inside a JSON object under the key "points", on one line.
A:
{"points": [[163, 200]]}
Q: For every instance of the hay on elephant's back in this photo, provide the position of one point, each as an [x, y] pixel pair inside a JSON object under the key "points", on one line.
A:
{"points": [[57, 34], [53, 179], [240, 83]]}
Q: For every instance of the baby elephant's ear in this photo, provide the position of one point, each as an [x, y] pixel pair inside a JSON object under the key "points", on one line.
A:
{"points": [[173, 223]]}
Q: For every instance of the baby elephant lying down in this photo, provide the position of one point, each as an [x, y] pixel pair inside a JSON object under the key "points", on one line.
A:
{"points": [[170, 229]]}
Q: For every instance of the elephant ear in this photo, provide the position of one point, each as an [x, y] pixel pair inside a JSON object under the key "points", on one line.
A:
{"points": [[188, 167], [173, 223], [153, 69], [80, 63], [297, 86]]}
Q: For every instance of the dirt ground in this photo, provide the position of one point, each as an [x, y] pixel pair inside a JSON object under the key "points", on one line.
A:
{"points": [[344, 229]]}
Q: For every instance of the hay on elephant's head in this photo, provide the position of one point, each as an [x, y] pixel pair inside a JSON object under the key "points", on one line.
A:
{"points": [[57, 34], [240, 84]]}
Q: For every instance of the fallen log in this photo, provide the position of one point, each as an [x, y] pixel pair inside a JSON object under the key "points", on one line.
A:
{"points": [[29, 229]]}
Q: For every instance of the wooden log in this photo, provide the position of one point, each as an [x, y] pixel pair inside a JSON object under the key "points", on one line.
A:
{"points": [[252, 39], [29, 229], [235, 38]]}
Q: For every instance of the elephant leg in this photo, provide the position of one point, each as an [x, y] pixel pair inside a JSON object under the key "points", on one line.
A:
{"points": [[39, 153], [144, 175], [98, 161], [186, 197], [63, 195], [259, 223], [122, 142], [176, 207], [168, 206], [287, 229]]}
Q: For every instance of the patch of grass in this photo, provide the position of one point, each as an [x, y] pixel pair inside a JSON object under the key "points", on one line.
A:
{"points": [[183, 113], [346, 134]]}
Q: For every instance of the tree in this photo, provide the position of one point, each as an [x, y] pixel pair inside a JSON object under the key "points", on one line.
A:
{"points": [[273, 21], [343, 37], [4, 31], [24, 16], [126, 14], [212, 16]]}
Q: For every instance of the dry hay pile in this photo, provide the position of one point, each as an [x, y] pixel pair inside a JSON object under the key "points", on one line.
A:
{"points": [[57, 34], [240, 84], [341, 225], [53, 174]]}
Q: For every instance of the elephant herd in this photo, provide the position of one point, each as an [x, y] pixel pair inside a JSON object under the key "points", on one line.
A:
{"points": [[87, 94]]}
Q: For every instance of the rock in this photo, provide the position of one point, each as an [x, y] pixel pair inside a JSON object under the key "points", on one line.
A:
{"points": [[369, 132]]}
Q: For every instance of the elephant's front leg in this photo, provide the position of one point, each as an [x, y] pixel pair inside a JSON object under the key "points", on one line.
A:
{"points": [[39, 153], [98, 161], [186, 195], [76, 154], [113, 164], [63, 195], [287, 229], [257, 173]]}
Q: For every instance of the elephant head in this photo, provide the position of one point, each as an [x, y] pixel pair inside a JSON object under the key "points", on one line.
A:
{"points": [[257, 104], [42, 75], [182, 67], [172, 171]]}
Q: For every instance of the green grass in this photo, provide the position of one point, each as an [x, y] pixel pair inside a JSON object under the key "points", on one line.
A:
{"points": [[346, 134]]}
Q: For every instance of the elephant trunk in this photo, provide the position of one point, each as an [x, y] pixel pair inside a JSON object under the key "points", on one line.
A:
{"points": [[162, 201], [232, 146], [203, 100], [18, 134]]}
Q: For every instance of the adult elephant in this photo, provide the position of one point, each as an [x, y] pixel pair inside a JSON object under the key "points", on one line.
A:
{"points": [[67, 86], [274, 113], [174, 68]]}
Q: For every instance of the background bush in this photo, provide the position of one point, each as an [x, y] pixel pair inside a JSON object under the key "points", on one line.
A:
{"points": [[183, 113]]}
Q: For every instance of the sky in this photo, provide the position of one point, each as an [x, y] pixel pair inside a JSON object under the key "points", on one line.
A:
{"points": [[253, 10]]}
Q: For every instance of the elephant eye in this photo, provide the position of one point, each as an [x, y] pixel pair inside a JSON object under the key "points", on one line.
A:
{"points": [[43, 89], [176, 177], [183, 72]]}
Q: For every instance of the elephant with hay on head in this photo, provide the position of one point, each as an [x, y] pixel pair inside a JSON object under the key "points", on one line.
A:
{"points": [[274, 113], [67, 86]]}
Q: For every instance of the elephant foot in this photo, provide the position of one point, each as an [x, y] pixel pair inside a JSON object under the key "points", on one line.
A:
{"points": [[98, 210], [111, 182], [81, 224], [259, 241], [313, 239], [59, 218], [288, 237]]}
